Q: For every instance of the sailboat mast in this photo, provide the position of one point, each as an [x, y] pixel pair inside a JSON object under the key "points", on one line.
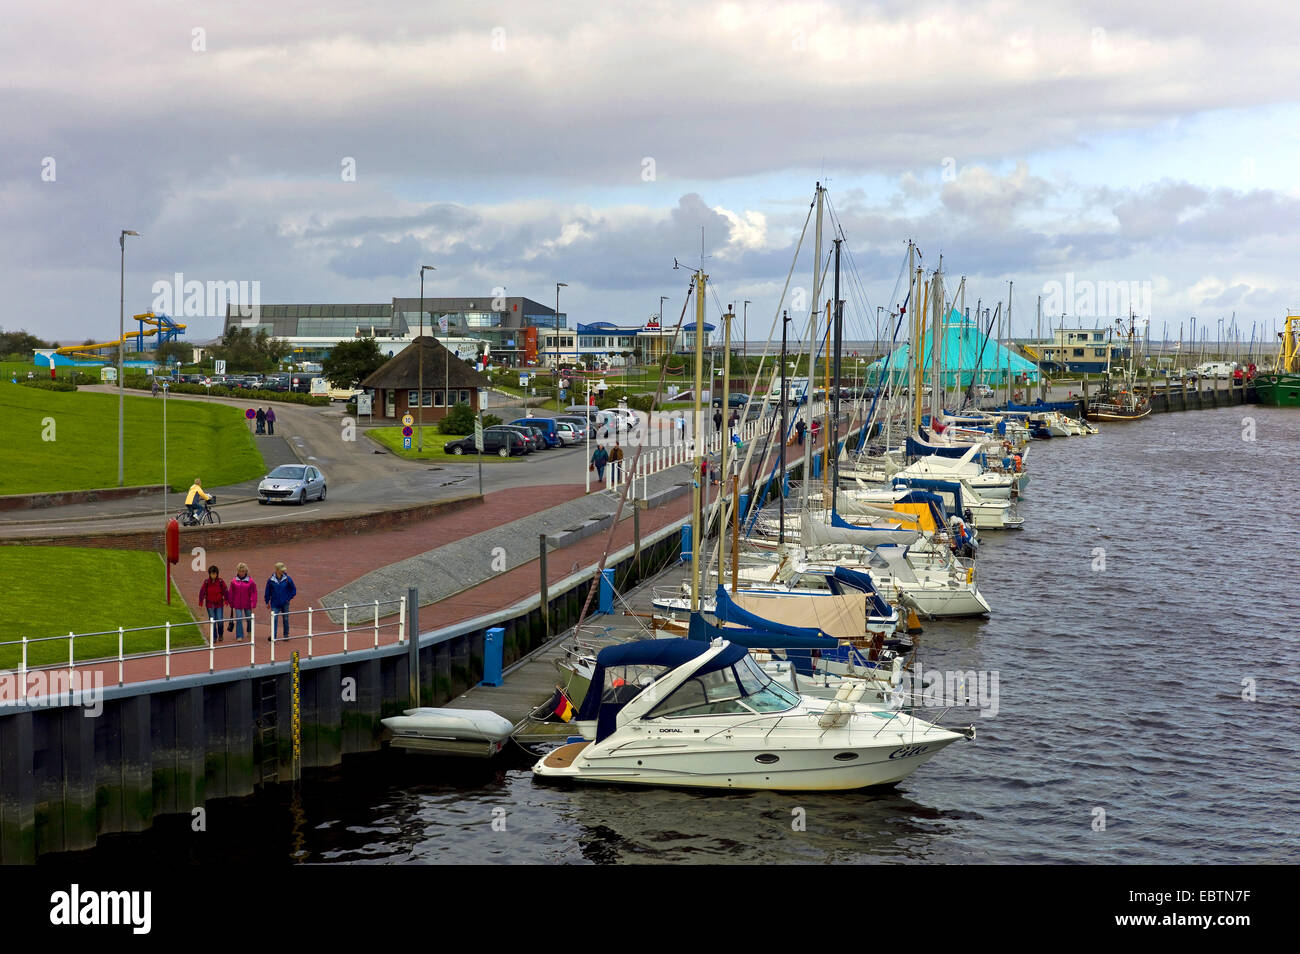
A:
{"points": [[936, 343], [812, 347], [724, 433], [1007, 376], [833, 425], [697, 479], [785, 400]]}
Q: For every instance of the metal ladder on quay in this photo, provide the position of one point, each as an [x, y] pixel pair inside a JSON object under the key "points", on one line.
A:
{"points": [[268, 732]]}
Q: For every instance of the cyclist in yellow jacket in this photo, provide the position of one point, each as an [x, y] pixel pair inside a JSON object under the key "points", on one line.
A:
{"points": [[192, 498]]}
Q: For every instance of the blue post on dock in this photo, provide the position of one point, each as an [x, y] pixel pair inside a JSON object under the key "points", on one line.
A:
{"points": [[785, 486], [606, 591], [744, 506], [494, 645], [686, 542], [817, 466]]}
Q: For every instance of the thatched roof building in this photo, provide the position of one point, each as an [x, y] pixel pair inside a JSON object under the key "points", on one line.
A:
{"points": [[448, 381]]}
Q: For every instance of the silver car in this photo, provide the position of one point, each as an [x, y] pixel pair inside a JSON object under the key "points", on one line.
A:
{"points": [[296, 482]]}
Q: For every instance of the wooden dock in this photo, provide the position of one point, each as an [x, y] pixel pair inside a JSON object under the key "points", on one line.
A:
{"points": [[532, 680]]}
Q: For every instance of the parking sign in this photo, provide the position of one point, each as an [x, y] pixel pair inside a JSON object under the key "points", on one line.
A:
{"points": [[478, 436]]}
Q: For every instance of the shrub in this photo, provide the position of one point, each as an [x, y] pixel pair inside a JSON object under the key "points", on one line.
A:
{"points": [[45, 384], [491, 420], [460, 420], [284, 397]]}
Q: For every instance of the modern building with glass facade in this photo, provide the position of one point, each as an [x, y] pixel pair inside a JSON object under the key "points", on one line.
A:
{"points": [[497, 326]]}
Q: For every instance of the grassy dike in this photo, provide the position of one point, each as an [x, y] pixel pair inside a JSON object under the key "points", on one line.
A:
{"points": [[68, 441], [52, 591]]}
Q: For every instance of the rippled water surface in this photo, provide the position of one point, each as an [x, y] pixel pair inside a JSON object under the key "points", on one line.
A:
{"points": [[1120, 692]]}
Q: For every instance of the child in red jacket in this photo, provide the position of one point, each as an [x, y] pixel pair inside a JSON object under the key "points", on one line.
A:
{"points": [[213, 596]]}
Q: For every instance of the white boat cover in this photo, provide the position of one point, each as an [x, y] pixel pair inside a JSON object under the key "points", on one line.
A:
{"points": [[469, 725]]}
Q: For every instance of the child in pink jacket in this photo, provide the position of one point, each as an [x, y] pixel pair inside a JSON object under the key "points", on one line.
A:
{"points": [[243, 600]]}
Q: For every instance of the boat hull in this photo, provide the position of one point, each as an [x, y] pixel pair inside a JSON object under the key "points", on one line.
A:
{"points": [[734, 766], [1278, 390]]}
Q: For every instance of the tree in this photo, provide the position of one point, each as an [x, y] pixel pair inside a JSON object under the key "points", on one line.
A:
{"points": [[20, 343], [173, 352], [351, 362]]}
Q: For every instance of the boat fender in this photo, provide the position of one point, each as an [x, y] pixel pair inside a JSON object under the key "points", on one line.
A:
{"points": [[970, 574]]}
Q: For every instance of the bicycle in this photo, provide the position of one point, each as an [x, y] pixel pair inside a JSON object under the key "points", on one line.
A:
{"points": [[206, 517]]}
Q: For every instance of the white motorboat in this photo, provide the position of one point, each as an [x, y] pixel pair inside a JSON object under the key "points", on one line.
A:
{"points": [[688, 713], [470, 732]]}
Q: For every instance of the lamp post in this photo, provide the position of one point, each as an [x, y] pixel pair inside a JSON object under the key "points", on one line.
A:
{"points": [[558, 286], [121, 341], [420, 357]]}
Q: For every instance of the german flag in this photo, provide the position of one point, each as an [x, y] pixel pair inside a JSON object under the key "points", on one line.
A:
{"points": [[563, 707]]}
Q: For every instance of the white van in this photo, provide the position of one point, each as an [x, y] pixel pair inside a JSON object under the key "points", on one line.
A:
{"points": [[795, 387], [1216, 369]]}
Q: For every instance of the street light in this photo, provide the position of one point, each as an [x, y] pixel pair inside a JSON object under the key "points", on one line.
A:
{"points": [[558, 286], [420, 357], [121, 341]]}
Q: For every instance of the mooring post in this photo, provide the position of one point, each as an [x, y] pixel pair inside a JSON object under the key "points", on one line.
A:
{"points": [[636, 539], [413, 645], [546, 599]]}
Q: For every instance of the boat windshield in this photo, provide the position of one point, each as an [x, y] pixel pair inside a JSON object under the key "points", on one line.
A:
{"points": [[735, 690]]}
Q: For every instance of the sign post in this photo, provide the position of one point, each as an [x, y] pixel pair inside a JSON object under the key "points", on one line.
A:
{"points": [[478, 445]]}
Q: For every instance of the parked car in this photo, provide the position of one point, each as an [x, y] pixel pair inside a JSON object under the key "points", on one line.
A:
{"points": [[581, 410], [547, 424], [983, 391], [538, 431], [502, 442], [581, 423], [617, 418], [570, 433], [293, 482], [735, 399], [533, 440]]}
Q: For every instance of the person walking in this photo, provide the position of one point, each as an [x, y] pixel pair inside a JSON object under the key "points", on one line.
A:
{"points": [[192, 499], [280, 589], [616, 462], [816, 429], [243, 600], [261, 421], [735, 421], [599, 458], [717, 419], [799, 428], [212, 597], [270, 420], [154, 382]]}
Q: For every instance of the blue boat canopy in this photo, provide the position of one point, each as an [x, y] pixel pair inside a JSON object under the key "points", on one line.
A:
{"points": [[669, 653]]}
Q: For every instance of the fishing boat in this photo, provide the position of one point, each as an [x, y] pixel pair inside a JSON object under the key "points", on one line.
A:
{"points": [[1281, 386], [703, 714], [1127, 401]]}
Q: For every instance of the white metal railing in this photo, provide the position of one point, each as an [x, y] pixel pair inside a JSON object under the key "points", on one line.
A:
{"points": [[366, 620]]}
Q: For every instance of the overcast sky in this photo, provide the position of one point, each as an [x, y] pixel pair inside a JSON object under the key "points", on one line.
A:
{"points": [[327, 150]]}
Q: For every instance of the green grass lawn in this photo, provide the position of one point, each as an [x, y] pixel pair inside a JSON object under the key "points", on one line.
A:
{"points": [[68, 441], [51, 591], [391, 438]]}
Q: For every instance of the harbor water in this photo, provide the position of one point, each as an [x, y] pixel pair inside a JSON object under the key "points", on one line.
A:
{"points": [[1144, 644]]}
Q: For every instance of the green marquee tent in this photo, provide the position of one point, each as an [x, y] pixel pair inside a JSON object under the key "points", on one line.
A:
{"points": [[962, 341]]}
